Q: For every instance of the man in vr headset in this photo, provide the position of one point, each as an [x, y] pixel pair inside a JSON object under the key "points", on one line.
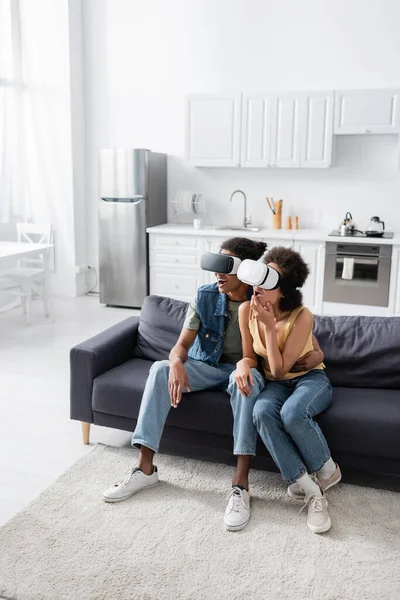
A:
{"points": [[204, 357]]}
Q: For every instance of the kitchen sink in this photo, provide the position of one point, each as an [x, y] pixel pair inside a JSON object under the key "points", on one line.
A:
{"points": [[236, 228]]}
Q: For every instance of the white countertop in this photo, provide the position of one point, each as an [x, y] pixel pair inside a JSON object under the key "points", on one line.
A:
{"points": [[312, 235]]}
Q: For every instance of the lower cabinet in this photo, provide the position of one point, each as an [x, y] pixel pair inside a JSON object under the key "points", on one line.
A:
{"points": [[314, 255], [177, 274], [180, 284]]}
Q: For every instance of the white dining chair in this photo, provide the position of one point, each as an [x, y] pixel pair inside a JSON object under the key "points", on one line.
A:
{"points": [[27, 280]]}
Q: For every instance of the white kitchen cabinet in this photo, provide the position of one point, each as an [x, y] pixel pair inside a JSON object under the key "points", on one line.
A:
{"points": [[367, 111], [180, 284], [256, 130], [287, 243], [175, 265], [213, 130], [180, 245], [285, 132], [314, 255], [316, 130]]}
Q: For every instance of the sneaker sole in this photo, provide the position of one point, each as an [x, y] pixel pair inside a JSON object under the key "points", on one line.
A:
{"points": [[236, 527], [296, 497], [321, 528], [129, 495]]}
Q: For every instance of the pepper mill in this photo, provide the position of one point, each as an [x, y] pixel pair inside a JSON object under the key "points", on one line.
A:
{"points": [[289, 223], [295, 222]]}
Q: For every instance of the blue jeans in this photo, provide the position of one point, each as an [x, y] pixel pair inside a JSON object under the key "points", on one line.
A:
{"points": [[283, 414], [156, 402], [244, 429]]}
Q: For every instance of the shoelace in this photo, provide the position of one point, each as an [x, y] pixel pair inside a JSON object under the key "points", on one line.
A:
{"points": [[236, 499], [129, 472], [316, 503]]}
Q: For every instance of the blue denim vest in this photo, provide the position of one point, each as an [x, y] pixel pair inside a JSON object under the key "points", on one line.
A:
{"points": [[212, 308]]}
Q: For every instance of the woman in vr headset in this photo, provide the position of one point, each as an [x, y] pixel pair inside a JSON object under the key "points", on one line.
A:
{"points": [[276, 327]]}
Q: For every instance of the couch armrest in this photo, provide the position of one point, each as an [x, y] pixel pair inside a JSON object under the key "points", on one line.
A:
{"points": [[95, 356]]}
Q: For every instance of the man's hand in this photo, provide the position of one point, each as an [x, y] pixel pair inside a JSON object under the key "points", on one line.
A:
{"points": [[308, 361], [178, 379], [242, 377]]}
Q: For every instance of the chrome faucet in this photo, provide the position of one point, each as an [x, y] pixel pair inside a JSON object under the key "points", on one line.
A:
{"points": [[246, 221]]}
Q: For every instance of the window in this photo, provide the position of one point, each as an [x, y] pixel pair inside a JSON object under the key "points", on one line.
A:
{"points": [[14, 203]]}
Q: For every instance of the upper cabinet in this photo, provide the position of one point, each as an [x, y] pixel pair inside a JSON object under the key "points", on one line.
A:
{"points": [[285, 135], [282, 130], [316, 130], [366, 111], [256, 130], [213, 130]]}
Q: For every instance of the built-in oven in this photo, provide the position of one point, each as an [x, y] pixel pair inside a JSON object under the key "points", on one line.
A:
{"points": [[357, 273]]}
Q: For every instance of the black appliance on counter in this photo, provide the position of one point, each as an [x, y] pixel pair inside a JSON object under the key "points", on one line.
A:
{"points": [[356, 233]]}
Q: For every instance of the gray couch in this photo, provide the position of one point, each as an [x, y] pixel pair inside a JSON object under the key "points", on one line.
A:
{"points": [[362, 355]]}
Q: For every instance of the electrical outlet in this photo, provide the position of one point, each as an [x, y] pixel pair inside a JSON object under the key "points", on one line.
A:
{"points": [[82, 269]]}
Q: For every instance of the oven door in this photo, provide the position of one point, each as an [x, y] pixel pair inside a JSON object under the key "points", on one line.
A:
{"points": [[356, 278]]}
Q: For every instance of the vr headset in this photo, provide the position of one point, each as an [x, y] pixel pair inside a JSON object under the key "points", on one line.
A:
{"points": [[257, 273], [220, 263], [252, 272]]}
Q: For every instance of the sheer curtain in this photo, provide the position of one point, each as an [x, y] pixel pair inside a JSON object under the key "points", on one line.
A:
{"points": [[35, 116], [14, 199]]}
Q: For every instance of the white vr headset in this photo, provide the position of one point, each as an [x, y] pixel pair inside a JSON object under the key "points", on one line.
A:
{"points": [[257, 273], [252, 272]]}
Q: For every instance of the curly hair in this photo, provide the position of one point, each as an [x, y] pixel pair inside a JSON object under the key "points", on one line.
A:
{"points": [[244, 248], [294, 274]]}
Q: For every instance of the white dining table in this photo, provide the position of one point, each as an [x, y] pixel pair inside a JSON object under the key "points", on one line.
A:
{"points": [[9, 250]]}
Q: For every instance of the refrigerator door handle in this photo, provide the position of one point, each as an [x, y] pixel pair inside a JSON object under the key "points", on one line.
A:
{"points": [[131, 200]]}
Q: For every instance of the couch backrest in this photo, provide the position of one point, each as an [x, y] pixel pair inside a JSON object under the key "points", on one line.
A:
{"points": [[161, 321], [362, 352]]}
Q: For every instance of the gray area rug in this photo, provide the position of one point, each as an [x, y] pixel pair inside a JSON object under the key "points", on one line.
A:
{"points": [[169, 542]]}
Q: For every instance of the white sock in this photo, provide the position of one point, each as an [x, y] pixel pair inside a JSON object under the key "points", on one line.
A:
{"points": [[328, 469], [309, 487]]}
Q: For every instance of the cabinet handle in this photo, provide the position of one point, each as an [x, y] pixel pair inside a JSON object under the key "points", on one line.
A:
{"points": [[177, 243], [177, 287], [367, 131]]}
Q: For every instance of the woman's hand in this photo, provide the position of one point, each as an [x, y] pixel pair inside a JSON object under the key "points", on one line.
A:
{"points": [[263, 314], [243, 376]]}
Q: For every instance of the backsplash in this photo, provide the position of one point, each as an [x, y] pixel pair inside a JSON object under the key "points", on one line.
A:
{"points": [[363, 180]]}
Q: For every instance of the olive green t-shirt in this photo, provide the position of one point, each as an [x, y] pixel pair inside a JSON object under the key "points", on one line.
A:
{"points": [[232, 348]]}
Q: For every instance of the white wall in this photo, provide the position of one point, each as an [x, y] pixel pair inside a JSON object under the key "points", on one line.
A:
{"points": [[141, 58]]}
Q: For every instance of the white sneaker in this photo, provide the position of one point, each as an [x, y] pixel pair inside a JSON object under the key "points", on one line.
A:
{"points": [[237, 513], [134, 481], [318, 519], [296, 492]]}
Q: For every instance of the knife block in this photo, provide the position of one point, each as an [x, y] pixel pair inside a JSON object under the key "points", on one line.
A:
{"points": [[277, 221]]}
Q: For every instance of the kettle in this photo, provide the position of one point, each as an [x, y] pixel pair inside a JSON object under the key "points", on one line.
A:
{"points": [[347, 226], [376, 226]]}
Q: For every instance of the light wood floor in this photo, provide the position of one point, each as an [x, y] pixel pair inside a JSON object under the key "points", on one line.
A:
{"points": [[37, 439]]}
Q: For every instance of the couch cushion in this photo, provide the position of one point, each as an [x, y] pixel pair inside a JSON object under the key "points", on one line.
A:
{"points": [[360, 352], [359, 421], [363, 421], [161, 321], [119, 392]]}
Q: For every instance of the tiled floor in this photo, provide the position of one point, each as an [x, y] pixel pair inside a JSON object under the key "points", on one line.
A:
{"points": [[37, 439]]}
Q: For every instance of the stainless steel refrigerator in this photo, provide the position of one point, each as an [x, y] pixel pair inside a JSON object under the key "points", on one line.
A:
{"points": [[133, 190]]}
